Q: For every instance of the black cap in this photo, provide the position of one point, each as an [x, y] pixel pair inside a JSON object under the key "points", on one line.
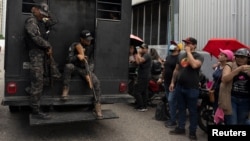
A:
{"points": [[86, 35], [43, 8], [190, 40], [144, 46]]}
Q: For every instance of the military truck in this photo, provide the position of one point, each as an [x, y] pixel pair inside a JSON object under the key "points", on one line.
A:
{"points": [[111, 42]]}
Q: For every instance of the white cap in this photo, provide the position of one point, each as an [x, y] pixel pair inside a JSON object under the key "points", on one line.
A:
{"points": [[172, 47]]}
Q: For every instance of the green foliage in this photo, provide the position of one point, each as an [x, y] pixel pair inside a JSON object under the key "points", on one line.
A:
{"points": [[1, 36]]}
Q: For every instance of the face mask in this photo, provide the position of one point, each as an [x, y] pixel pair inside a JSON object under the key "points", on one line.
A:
{"points": [[171, 51]]}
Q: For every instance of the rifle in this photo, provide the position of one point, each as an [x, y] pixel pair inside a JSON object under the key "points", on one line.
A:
{"points": [[80, 50], [90, 78], [47, 68]]}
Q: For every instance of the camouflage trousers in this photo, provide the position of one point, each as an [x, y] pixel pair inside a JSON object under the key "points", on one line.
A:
{"points": [[35, 90], [71, 68]]}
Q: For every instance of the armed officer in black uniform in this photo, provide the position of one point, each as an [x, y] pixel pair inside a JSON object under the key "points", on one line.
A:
{"points": [[81, 60], [37, 28]]}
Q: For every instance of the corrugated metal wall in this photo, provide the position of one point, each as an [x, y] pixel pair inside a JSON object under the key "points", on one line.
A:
{"points": [[205, 19]]}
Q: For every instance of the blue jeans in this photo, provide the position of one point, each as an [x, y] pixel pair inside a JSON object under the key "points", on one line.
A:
{"points": [[187, 98], [240, 107], [172, 103]]}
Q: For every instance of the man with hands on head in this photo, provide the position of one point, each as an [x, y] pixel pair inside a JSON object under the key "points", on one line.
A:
{"points": [[143, 59], [186, 78]]}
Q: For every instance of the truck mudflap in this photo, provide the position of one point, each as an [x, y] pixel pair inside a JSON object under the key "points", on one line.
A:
{"points": [[68, 117]]}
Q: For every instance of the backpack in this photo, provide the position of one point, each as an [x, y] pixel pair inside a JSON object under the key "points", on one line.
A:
{"points": [[156, 67], [153, 86], [161, 112]]}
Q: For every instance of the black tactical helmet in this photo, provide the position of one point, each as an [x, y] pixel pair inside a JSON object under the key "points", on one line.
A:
{"points": [[242, 52]]}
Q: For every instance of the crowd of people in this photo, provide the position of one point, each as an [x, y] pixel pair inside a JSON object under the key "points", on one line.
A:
{"points": [[180, 72], [182, 78]]}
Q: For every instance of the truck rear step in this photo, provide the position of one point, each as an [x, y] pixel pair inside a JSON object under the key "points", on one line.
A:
{"points": [[74, 116]]}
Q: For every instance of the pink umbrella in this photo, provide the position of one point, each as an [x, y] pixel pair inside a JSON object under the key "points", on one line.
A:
{"points": [[135, 40]]}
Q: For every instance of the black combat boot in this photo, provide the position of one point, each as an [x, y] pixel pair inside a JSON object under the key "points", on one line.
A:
{"points": [[40, 115]]}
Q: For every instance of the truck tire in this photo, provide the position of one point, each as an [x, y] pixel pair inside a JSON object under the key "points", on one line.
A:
{"points": [[14, 109]]}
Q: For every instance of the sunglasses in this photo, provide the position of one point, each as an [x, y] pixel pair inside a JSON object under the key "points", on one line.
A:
{"points": [[238, 56]]}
